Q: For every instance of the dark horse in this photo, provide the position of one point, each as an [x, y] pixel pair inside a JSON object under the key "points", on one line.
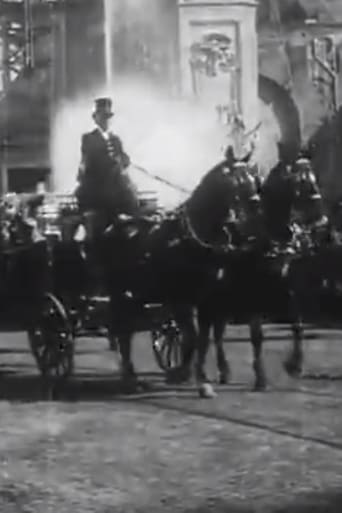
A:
{"points": [[172, 262], [255, 282]]}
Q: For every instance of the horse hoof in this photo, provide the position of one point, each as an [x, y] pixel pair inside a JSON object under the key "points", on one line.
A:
{"points": [[293, 370], [224, 378], [144, 386], [128, 388], [206, 391], [261, 386], [202, 378], [177, 376], [135, 388], [129, 383], [113, 346]]}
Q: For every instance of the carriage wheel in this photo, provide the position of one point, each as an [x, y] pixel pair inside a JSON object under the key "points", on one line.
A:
{"points": [[167, 346], [51, 340]]}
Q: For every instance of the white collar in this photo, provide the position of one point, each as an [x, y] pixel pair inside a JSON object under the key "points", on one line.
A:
{"points": [[105, 133]]}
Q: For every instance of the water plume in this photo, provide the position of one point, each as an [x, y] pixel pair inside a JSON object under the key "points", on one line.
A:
{"points": [[269, 134], [171, 138], [177, 140]]}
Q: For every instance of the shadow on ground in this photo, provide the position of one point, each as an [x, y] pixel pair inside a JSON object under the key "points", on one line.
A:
{"points": [[90, 386], [327, 502], [15, 386], [324, 502]]}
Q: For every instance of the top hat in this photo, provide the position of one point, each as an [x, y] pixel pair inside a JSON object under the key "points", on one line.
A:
{"points": [[103, 106]]}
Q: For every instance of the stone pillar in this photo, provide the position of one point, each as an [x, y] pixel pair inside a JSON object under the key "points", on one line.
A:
{"points": [[219, 56]]}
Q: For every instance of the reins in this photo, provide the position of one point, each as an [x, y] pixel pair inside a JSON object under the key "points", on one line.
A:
{"points": [[158, 178]]}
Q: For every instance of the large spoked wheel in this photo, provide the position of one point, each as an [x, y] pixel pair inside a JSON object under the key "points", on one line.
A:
{"points": [[51, 339], [167, 346]]}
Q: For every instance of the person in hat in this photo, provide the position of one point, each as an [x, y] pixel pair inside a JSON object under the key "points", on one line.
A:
{"points": [[104, 185], [104, 190]]}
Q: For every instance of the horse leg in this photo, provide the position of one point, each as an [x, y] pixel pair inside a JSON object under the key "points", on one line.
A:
{"points": [[118, 329], [204, 325], [257, 338], [112, 336], [295, 361], [205, 389], [125, 350], [112, 326], [221, 360]]}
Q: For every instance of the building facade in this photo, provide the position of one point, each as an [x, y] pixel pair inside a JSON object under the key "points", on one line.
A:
{"points": [[204, 50]]}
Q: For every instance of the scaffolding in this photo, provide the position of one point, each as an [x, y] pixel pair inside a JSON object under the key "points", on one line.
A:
{"points": [[22, 25]]}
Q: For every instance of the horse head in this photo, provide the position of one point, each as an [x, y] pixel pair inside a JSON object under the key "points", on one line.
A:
{"points": [[291, 197], [218, 195], [289, 188], [247, 198], [308, 202]]}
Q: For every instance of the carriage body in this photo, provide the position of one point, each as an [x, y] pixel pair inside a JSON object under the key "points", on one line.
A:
{"points": [[23, 280], [23, 263], [44, 288]]}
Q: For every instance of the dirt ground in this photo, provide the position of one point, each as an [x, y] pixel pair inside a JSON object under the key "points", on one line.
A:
{"points": [[97, 450]]}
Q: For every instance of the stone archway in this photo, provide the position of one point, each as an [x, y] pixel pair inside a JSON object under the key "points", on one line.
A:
{"points": [[285, 110]]}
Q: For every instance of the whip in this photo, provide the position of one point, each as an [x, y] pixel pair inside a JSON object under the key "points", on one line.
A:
{"points": [[253, 130], [157, 178]]}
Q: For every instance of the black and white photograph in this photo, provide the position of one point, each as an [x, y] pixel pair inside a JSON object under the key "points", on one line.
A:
{"points": [[170, 256]]}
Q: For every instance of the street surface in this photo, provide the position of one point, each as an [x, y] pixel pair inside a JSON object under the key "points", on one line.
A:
{"points": [[98, 450]]}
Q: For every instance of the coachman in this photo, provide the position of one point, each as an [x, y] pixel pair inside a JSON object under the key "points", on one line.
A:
{"points": [[105, 188]]}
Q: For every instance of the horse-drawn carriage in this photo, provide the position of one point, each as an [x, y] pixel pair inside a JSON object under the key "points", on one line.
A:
{"points": [[184, 263], [45, 286]]}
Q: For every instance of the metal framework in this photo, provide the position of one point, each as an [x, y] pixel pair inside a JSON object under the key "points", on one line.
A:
{"points": [[21, 27], [16, 24]]}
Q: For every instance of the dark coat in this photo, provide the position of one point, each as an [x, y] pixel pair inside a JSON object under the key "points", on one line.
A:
{"points": [[103, 183]]}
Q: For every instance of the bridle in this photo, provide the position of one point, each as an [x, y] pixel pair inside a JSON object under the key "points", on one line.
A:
{"points": [[192, 235]]}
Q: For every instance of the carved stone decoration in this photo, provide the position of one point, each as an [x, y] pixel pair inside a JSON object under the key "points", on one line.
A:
{"points": [[212, 55], [218, 58], [214, 65]]}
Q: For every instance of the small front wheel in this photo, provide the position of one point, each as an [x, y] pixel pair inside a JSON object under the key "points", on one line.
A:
{"points": [[51, 339]]}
